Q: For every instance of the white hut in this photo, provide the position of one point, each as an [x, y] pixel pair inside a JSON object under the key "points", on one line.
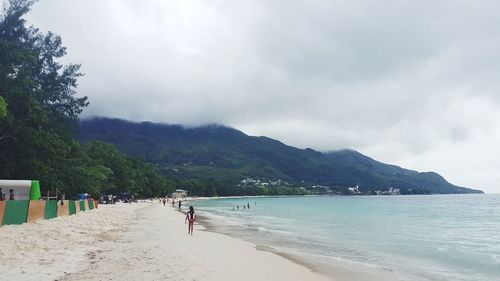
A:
{"points": [[179, 193]]}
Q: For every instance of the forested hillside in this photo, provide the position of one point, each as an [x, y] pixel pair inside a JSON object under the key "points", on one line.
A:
{"points": [[228, 156]]}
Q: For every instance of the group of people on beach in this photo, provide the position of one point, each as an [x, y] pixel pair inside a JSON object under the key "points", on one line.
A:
{"points": [[190, 215], [3, 195], [166, 199], [247, 206], [120, 197]]}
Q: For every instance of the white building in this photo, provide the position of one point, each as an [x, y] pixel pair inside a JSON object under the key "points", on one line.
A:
{"points": [[179, 193]]}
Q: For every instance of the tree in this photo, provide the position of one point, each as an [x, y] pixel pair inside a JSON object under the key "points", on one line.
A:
{"points": [[36, 131], [37, 128], [83, 174], [105, 154], [3, 108], [41, 89]]}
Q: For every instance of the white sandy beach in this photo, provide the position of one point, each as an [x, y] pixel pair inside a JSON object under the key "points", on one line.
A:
{"points": [[144, 241]]}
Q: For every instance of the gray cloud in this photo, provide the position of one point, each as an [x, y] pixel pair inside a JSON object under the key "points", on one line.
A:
{"points": [[414, 83]]}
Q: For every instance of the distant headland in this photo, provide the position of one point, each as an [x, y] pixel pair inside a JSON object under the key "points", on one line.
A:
{"points": [[233, 163]]}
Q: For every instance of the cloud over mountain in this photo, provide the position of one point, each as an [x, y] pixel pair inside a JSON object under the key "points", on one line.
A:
{"points": [[410, 83]]}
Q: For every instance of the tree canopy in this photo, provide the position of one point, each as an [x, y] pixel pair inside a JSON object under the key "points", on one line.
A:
{"points": [[39, 111]]}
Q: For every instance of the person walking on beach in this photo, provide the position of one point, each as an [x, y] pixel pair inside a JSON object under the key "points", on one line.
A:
{"points": [[180, 203], [191, 218], [164, 201]]}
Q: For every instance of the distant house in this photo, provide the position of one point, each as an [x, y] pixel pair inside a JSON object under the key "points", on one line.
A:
{"points": [[394, 191], [391, 191], [354, 190], [180, 193]]}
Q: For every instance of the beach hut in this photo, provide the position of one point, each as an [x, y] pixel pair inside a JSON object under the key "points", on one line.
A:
{"points": [[22, 189], [179, 193]]}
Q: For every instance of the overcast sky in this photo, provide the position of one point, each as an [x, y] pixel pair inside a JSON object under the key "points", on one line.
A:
{"points": [[412, 83]]}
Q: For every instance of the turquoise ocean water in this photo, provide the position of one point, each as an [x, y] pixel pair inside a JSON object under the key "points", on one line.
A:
{"points": [[438, 237]]}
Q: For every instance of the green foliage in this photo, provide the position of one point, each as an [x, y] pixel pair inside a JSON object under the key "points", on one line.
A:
{"points": [[40, 91], [36, 130], [3, 108], [127, 174]]}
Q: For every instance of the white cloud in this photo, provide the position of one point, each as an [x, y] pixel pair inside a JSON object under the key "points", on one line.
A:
{"points": [[414, 83]]}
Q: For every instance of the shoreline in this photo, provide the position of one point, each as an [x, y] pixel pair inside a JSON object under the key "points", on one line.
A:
{"points": [[331, 269], [208, 226], [148, 241], [335, 195], [403, 236]]}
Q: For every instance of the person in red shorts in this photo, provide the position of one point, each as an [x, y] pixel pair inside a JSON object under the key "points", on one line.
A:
{"points": [[191, 218]]}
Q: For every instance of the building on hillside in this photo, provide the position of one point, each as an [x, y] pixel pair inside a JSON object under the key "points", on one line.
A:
{"points": [[391, 191], [354, 190], [180, 193]]}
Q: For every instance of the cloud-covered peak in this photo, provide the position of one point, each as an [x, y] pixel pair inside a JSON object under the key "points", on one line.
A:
{"points": [[410, 83]]}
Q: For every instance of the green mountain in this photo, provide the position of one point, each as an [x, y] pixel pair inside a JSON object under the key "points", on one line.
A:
{"points": [[233, 159]]}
